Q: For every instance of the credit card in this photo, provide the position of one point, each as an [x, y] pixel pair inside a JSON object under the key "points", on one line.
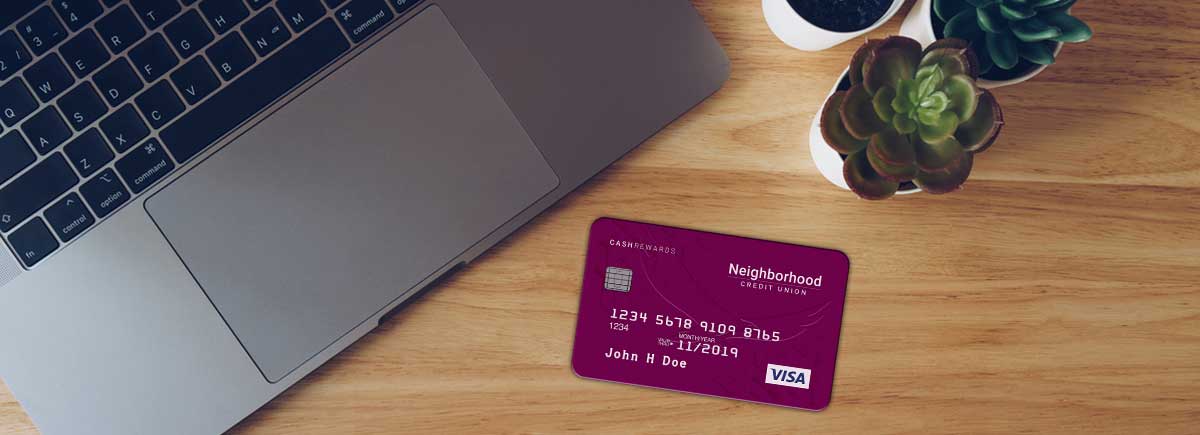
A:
{"points": [[710, 314]]}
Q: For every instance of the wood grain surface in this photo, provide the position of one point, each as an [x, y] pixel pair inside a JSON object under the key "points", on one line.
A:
{"points": [[1059, 292]]}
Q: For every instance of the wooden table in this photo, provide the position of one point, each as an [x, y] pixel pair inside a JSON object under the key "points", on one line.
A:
{"points": [[1059, 292]]}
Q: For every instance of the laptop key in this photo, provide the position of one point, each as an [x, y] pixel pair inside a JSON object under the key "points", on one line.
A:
{"points": [[69, 217], [266, 32], [361, 18], [258, 4], [195, 80], [189, 33], [33, 242], [144, 166], [78, 13], [13, 55], [403, 6], [15, 9], [160, 104], [231, 56], [262, 85], [156, 12], [117, 82], [153, 57], [334, 3], [224, 15], [16, 102], [301, 13], [31, 191], [42, 31], [49, 77], [104, 193], [124, 128], [88, 152], [15, 155], [84, 53], [82, 106], [120, 29], [46, 130]]}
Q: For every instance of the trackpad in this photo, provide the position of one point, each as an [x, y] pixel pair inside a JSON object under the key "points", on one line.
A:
{"points": [[353, 193]]}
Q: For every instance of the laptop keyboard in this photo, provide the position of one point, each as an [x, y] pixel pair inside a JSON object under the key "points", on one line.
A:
{"points": [[101, 99]]}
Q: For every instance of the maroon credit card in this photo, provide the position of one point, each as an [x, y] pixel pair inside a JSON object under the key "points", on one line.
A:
{"points": [[710, 314]]}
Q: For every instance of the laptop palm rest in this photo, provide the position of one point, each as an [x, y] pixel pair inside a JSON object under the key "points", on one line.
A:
{"points": [[340, 202]]}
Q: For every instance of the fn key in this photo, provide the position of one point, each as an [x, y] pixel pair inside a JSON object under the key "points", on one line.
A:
{"points": [[33, 242], [361, 18]]}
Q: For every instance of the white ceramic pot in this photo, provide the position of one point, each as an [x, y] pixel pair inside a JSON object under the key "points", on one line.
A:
{"points": [[919, 25], [797, 32], [827, 159]]}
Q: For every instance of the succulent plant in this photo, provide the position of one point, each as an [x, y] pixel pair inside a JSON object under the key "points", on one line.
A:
{"points": [[910, 115], [1004, 31]]}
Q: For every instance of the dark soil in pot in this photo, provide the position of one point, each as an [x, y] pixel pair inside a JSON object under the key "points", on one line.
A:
{"points": [[844, 85], [841, 15]]}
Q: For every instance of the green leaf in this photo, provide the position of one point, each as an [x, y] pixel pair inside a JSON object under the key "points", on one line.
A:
{"points": [[937, 101], [1015, 12], [894, 59], [928, 116], [946, 180], [904, 124], [941, 128], [990, 19], [892, 147], [883, 104], [1034, 29], [938, 156], [963, 95], [950, 60], [833, 131], [981, 130], [863, 179], [1072, 29], [1003, 48], [964, 25], [858, 113], [929, 79], [860, 56], [1041, 53], [946, 9], [906, 97], [892, 172]]}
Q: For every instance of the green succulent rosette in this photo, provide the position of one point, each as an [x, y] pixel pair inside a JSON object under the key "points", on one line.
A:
{"points": [[910, 115], [1004, 31]]}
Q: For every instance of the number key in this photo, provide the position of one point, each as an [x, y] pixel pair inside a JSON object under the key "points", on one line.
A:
{"points": [[13, 55], [42, 30], [78, 13]]}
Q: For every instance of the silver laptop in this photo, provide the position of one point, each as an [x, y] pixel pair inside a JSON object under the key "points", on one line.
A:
{"points": [[202, 201]]}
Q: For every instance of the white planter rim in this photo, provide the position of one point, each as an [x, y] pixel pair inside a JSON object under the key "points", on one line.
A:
{"points": [[798, 32]]}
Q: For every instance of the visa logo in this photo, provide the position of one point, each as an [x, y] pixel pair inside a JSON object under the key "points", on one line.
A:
{"points": [[794, 377]]}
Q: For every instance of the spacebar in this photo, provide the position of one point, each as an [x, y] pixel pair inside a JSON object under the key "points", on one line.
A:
{"points": [[255, 90]]}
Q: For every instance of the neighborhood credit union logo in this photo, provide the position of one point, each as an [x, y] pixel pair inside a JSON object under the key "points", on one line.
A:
{"points": [[794, 377]]}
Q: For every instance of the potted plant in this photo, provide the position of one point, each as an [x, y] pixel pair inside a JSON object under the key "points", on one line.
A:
{"points": [[906, 118], [819, 24], [1013, 39]]}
